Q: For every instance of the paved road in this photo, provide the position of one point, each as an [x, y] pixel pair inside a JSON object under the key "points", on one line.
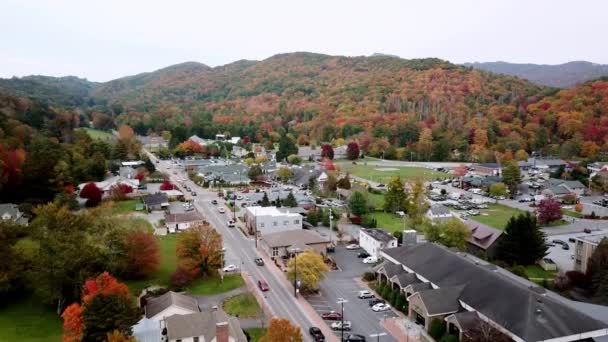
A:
{"points": [[241, 251]]}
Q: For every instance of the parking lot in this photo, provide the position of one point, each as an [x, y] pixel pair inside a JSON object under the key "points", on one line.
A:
{"points": [[344, 284]]}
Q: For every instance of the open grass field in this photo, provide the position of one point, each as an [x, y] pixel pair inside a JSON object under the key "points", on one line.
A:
{"points": [[29, 321], [124, 207], [496, 216], [214, 285], [376, 200], [535, 272], [243, 305], [383, 174], [255, 333], [572, 213], [98, 134], [387, 221]]}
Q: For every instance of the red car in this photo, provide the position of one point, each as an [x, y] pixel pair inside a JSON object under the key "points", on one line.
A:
{"points": [[332, 316], [263, 285]]}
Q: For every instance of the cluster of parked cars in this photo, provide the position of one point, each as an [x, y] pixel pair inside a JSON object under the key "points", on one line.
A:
{"points": [[367, 259], [188, 206], [603, 202], [563, 243]]}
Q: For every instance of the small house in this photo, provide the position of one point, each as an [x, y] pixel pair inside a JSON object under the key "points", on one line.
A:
{"points": [[182, 221], [374, 240], [157, 201]]}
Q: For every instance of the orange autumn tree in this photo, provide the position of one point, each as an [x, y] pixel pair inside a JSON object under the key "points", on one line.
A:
{"points": [[199, 249], [281, 330], [74, 319]]}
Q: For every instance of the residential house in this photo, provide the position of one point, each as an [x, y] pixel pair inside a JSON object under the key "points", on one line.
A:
{"points": [[239, 151], [11, 212], [489, 169], [309, 152], [157, 201], [340, 152], [374, 240], [207, 326], [322, 179], [479, 182], [281, 244], [169, 304], [182, 221], [483, 239], [597, 167], [152, 142], [302, 175], [575, 187], [266, 220], [439, 212], [108, 183], [200, 141], [557, 191], [583, 249], [127, 172], [547, 164], [463, 292]]}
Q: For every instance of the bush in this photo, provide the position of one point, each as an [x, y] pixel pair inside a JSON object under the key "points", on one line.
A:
{"points": [[519, 271], [577, 279], [180, 278], [437, 329], [401, 303], [394, 298], [449, 338], [369, 276]]}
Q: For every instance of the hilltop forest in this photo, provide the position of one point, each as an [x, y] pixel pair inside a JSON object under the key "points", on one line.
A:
{"points": [[422, 109]]}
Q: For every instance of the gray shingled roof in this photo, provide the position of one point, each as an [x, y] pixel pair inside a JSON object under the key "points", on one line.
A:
{"points": [[378, 234], [405, 279], [390, 269], [202, 324], [439, 209], [158, 304], [155, 199], [483, 236], [466, 319], [290, 237], [527, 314], [442, 300]]}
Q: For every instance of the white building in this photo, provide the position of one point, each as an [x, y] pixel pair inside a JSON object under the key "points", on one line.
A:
{"points": [[375, 240], [182, 221], [266, 220], [439, 212]]}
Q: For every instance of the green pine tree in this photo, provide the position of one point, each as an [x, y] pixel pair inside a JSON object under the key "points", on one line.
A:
{"points": [[523, 243]]}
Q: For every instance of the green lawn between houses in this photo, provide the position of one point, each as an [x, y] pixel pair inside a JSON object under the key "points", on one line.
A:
{"points": [[243, 305], [124, 207], [98, 134], [389, 222], [256, 333], [497, 215], [29, 321], [383, 174]]}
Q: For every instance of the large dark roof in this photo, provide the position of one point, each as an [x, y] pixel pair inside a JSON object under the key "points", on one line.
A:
{"points": [[442, 300], [527, 314], [155, 199], [378, 234]]}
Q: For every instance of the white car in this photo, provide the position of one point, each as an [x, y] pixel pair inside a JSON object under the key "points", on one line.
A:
{"points": [[239, 197], [230, 268], [221, 210], [353, 246], [370, 260], [341, 326], [381, 307], [365, 294]]}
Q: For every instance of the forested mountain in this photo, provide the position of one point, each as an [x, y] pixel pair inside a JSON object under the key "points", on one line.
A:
{"points": [[424, 109], [65, 91], [562, 75]]}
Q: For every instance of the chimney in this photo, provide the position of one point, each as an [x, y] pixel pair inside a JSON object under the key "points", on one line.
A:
{"points": [[221, 332]]}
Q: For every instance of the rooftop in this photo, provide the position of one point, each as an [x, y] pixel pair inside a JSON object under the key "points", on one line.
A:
{"points": [[378, 234], [269, 211], [191, 216], [154, 306], [288, 238], [203, 324], [593, 239]]}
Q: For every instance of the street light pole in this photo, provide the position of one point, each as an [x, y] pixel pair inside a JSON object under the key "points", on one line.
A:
{"points": [[341, 301], [295, 271], [378, 335]]}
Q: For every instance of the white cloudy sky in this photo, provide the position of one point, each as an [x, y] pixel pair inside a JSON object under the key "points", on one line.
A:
{"points": [[102, 40]]}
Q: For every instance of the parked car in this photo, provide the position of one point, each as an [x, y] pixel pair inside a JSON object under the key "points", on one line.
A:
{"points": [[381, 185], [381, 307], [565, 247], [365, 294], [370, 260], [230, 268], [355, 338], [221, 210], [239, 197], [316, 334], [214, 202], [558, 241], [193, 193], [587, 230], [259, 261], [263, 285], [572, 239], [339, 325], [231, 224], [353, 246], [362, 255], [331, 316], [375, 301]]}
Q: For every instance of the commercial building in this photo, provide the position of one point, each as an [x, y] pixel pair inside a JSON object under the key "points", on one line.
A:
{"points": [[583, 249], [182, 221], [267, 220], [278, 245], [374, 240]]}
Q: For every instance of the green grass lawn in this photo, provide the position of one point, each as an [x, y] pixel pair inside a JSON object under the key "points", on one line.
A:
{"points": [[255, 333], [497, 215], [377, 200], [555, 223], [572, 213], [243, 305], [29, 321], [124, 207], [389, 222], [214, 285], [537, 272], [98, 134], [168, 263], [377, 174]]}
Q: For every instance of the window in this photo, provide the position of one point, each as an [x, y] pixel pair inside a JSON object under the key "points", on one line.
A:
{"points": [[296, 222], [275, 223], [275, 251], [285, 223], [262, 225], [195, 339], [178, 340]]}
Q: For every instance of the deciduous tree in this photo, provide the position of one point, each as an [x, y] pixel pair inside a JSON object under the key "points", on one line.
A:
{"points": [[395, 198], [199, 249], [327, 151], [311, 269], [281, 330], [284, 174], [92, 193], [167, 185], [357, 203], [549, 209], [352, 150], [255, 172], [511, 176], [142, 254], [498, 190]]}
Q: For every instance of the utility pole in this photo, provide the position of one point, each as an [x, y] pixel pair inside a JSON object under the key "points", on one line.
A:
{"points": [[378, 335], [330, 228], [341, 301]]}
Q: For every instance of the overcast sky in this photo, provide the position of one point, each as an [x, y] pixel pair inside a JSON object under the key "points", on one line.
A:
{"points": [[111, 38]]}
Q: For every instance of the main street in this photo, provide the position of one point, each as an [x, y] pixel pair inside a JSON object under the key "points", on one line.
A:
{"points": [[241, 252]]}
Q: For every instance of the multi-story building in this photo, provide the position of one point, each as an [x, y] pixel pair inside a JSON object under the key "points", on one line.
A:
{"points": [[583, 249], [266, 220], [375, 240]]}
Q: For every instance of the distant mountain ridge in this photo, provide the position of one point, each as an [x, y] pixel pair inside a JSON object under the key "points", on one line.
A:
{"points": [[564, 75]]}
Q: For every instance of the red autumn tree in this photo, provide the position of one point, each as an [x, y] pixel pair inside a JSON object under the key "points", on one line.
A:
{"points": [[142, 254], [167, 185], [92, 193], [119, 192], [327, 151], [182, 277], [140, 176], [549, 210], [12, 163], [72, 323], [105, 285], [282, 330], [328, 165], [352, 150]]}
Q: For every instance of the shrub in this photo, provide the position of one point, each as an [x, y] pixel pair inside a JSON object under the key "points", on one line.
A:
{"points": [[577, 279], [449, 338], [92, 193], [181, 277], [369, 276], [437, 329], [519, 271], [394, 298]]}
